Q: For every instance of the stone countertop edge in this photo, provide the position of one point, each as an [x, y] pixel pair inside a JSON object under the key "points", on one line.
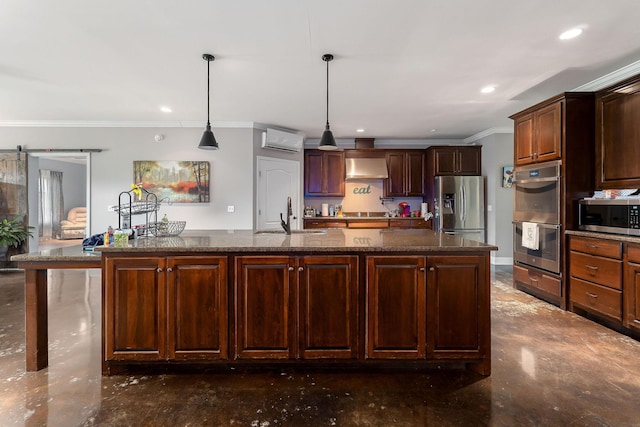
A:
{"points": [[338, 241], [333, 218], [606, 236]]}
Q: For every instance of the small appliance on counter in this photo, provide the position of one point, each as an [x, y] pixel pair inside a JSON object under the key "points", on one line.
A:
{"points": [[404, 209]]}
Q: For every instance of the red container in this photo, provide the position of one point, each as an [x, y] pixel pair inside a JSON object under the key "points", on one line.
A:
{"points": [[405, 209]]}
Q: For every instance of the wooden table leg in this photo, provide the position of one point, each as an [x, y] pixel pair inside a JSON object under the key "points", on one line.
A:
{"points": [[37, 335]]}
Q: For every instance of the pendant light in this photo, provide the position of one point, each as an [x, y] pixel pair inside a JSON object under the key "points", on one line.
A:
{"points": [[327, 142], [208, 141]]}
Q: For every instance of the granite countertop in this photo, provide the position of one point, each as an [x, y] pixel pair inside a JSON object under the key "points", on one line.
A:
{"points": [[607, 236], [238, 241], [351, 216]]}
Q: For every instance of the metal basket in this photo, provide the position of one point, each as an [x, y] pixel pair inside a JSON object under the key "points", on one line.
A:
{"points": [[164, 229]]}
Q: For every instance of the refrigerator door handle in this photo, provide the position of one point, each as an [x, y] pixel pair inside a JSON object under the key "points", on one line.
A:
{"points": [[463, 208]]}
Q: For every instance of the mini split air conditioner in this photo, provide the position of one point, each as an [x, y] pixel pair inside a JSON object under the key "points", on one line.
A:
{"points": [[279, 140]]}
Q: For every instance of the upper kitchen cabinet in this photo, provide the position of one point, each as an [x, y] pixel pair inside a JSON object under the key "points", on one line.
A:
{"points": [[542, 132], [453, 160], [538, 135], [618, 135], [406, 173], [324, 173]]}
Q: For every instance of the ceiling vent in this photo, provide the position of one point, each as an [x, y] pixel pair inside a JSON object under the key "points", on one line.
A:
{"points": [[274, 139]]}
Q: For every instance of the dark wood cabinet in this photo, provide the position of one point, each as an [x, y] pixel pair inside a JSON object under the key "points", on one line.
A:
{"points": [[324, 173], [289, 307], [537, 135], [595, 268], [451, 160], [264, 317], [618, 135], [406, 170], [197, 312], [456, 293], [631, 290], [328, 307], [396, 307], [454, 160], [159, 308]]}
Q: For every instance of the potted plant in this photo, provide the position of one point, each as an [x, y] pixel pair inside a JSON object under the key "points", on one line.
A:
{"points": [[12, 233]]}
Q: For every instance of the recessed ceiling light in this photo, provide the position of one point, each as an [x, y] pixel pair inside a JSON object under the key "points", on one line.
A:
{"points": [[569, 34], [165, 109], [488, 89], [359, 130], [434, 130]]}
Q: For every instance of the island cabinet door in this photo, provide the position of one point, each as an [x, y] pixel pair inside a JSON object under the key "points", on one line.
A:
{"points": [[264, 307], [396, 304], [328, 307], [197, 325], [134, 307], [457, 307]]}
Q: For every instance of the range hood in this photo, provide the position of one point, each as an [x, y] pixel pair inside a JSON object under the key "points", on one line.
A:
{"points": [[366, 168]]}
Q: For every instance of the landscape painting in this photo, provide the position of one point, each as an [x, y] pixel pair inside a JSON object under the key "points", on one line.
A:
{"points": [[174, 181]]}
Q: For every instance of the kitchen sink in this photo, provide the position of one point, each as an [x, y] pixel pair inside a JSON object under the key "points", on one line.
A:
{"points": [[292, 232]]}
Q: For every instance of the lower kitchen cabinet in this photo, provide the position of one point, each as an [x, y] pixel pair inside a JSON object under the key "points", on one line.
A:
{"points": [[396, 307], [296, 307], [165, 308], [456, 295], [595, 270], [632, 288]]}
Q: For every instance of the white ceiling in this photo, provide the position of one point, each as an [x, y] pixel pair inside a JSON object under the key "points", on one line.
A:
{"points": [[401, 68]]}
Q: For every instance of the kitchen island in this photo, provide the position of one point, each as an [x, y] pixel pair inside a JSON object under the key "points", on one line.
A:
{"points": [[320, 297]]}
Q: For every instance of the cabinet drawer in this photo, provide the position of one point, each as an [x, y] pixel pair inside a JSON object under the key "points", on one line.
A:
{"points": [[596, 298], [604, 271], [368, 224], [633, 253], [538, 280], [310, 223], [606, 248]]}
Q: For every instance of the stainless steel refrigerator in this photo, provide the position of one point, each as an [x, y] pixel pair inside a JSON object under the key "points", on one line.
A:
{"points": [[459, 206]]}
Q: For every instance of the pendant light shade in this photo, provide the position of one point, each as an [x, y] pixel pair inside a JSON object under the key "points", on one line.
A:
{"points": [[208, 141], [327, 142]]}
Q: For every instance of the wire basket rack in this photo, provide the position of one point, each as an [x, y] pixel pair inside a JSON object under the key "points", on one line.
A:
{"points": [[165, 229]]}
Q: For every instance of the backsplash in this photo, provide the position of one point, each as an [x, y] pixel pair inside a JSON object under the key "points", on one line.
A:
{"points": [[363, 196]]}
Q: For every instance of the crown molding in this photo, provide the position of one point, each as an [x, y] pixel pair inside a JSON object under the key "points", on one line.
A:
{"points": [[122, 124], [611, 78], [486, 133]]}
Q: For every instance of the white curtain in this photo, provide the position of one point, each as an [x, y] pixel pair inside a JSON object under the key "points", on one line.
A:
{"points": [[51, 204]]}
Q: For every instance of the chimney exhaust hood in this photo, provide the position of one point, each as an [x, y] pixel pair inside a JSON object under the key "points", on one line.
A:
{"points": [[366, 168]]}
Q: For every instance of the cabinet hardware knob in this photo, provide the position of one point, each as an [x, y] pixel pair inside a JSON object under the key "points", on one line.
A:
{"points": [[169, 270], [533, 280], [432, 269], [300, 269], [592, 269], [593, 246], [159, 270], [290, 268], [591, 295], [422, 269]]}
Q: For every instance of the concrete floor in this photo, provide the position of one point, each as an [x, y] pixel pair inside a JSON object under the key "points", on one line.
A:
{"points": [[550, 368]]}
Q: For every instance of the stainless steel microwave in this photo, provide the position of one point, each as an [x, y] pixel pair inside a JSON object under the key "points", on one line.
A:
{"points": [[620, 216]]}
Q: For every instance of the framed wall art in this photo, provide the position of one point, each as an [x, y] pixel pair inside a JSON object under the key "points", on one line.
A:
{"points": [[174, 181], [507, 176]]}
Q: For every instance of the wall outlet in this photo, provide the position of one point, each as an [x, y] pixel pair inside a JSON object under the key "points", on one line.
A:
{"points": [[231, 208]]}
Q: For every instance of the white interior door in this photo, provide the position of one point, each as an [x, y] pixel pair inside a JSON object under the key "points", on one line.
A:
{"points": [[277, 180]]}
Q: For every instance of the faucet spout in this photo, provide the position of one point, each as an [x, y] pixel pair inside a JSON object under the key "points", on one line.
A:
{"points": [[286, 226]]}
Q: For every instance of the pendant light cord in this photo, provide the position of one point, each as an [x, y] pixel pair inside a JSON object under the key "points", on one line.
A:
{"points": [[327, 94], [208, 96]]}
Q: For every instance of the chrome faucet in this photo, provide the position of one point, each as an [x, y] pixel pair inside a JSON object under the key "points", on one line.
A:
{"points": [[286, 226]]}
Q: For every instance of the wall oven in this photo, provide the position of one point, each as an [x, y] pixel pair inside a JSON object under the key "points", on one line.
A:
{"points": [[537, 200], [537, 193], [548, 255]]}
